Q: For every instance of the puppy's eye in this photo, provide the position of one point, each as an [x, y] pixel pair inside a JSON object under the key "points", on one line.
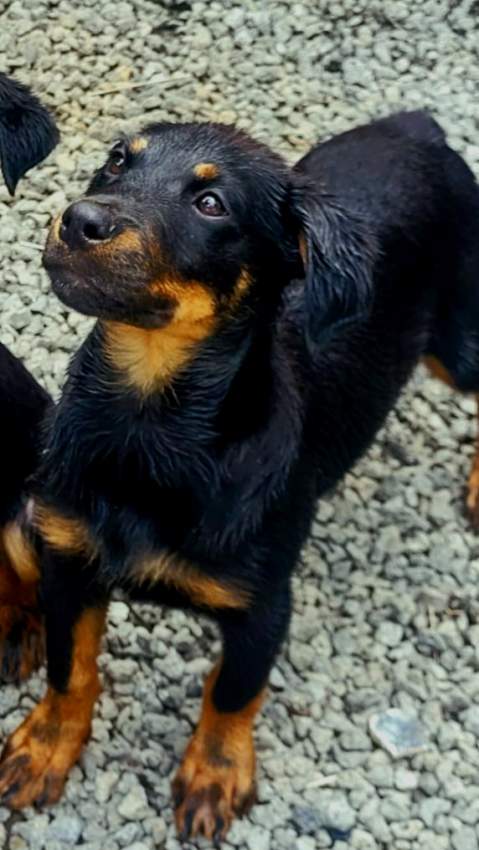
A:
{"points": [[116, 161], [210, 205]]}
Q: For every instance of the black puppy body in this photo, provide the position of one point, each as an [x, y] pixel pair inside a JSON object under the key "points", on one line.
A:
{"points": [[256, 326], [27, 135]]}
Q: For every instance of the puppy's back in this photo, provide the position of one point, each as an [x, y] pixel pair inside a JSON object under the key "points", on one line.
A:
{"points": [[397, 172]]}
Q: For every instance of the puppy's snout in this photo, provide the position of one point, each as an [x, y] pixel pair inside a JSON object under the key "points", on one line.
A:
{"points": [[85, 223]]}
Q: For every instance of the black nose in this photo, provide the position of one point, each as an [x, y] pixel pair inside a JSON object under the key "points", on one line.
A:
{"points": [[86, 222]]}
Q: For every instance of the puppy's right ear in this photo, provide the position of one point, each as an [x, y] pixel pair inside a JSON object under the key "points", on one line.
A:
{"points": [[338, 255], [27, 131]]}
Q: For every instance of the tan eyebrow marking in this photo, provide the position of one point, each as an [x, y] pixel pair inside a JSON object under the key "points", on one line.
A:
{"points": [[206, 170], [138, 144]]}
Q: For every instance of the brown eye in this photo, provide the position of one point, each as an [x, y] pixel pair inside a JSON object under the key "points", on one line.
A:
{"points": [[210, 205], [116, 161]]}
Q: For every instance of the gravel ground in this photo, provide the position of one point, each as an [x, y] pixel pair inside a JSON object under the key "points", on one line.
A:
{"points": [[387, 606]]}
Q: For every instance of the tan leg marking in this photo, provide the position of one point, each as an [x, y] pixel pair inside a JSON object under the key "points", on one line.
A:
{"points": [[202, 590], [21, 553], [439, 371], [38, 756], [21, 628], [63, 533], [216, 780]]}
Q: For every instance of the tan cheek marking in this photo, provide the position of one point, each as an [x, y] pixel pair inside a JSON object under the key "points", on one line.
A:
{"points": [[127, 242], [303, 249], [242, 286], [150, 359], [63, 533], [54, 232], [138, 144], [206, 170], [185, 577], [21, 553]]}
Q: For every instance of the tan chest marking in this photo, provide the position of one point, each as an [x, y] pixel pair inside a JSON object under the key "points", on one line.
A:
{"points": [[150, 359], [202, 590]]}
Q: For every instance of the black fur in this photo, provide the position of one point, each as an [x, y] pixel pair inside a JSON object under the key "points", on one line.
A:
{"points": [[23, 404], [27, 134], [27, 131], [224, 466], [276, 406]]}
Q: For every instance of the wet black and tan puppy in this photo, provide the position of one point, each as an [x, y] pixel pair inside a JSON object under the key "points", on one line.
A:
{"points": [[27, 135], [256, 324]]}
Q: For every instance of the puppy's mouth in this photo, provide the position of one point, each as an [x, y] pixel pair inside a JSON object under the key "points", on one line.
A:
{"points": [[106, 289]]}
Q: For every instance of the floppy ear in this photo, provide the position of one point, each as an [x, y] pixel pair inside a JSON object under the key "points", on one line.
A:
{"points": [[27, 131], [338, 256]]}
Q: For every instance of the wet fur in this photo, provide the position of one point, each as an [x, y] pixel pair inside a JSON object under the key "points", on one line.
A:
{"points": [[364, 258]]}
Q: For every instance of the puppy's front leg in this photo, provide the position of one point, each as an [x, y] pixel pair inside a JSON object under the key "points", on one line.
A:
{"points": [[216, 780], [38, 756]]}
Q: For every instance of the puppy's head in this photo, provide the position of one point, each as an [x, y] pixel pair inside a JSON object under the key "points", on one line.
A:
{"points": [[27, 131], [181, 220], [184, 222]]}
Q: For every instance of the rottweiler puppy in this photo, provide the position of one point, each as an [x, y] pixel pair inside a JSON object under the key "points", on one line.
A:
{"points": [[27, 135], [255, 326]]}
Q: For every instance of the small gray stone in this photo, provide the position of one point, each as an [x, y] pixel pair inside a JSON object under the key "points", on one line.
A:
{"points": [[335, 812], [431, 808], [202, 38], [104, 783], [118, 612], [134, 805], [398, 732], [67, 828], [389, 634], [258, 839], [307, 819], [305, 842], [406, 780], [465, 838], [138, 845], [470, 719]]}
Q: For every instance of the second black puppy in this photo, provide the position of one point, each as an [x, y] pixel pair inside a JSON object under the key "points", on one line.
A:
{"points": [[27, 135], [256, 325]]}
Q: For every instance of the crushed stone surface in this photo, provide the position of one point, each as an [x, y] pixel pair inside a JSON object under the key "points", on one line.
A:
{"points": [[386, 596]]}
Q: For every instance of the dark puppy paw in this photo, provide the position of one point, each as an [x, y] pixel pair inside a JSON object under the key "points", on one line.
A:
{"points": [[209, 793]]}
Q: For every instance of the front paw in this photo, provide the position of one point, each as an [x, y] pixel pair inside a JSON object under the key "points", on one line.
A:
{"points": [[38, 756], [211, 789]]}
